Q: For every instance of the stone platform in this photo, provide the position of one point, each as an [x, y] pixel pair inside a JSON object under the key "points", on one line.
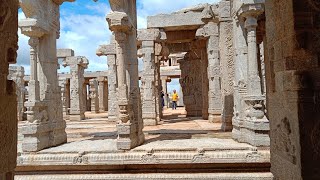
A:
{"points": [[180, 147]]}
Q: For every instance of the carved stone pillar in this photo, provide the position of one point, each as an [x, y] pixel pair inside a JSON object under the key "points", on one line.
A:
{"points": [[102, 94], [46, 127], [64, 97], [77, 100], [8, 102], [227, 63], [123, 22], [251, 124], [211, 32], [94, 95], [110, 52], [16, 73], [148, 79]]}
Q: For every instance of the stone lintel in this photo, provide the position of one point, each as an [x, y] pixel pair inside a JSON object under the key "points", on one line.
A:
{"points": [[63, 53], [148, 35], [177, 21], [210, 29], [78, 60], [104, 50]]}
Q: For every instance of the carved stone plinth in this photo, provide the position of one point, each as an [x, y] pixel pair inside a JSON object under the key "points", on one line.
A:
{"points": [[253, 128]]}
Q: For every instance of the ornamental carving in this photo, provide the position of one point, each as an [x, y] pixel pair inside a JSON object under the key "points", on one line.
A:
{"points": [[315, 4], [5, 14]]}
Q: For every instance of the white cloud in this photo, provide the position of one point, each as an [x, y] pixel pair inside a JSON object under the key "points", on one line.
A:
{"points": [[84, 27]]}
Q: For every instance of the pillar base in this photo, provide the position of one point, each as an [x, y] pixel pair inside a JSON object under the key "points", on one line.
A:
{"points": [[7, 176], [76, 117], [150, 122], [214, 118], [127, 137]]}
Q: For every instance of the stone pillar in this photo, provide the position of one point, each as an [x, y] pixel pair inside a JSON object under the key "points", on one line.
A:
{"points": [[64, 96], [150, 98], [227, 63], [191, 82], [110, 52], [241, 77], [293, 87], [94, 95], [123, 22], [8, 102], [16, 73], [77, 101], [102, 94], [165, 90], [251, 125], [211, 32]]}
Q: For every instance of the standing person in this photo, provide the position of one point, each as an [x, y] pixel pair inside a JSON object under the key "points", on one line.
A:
{"points": [[174, 99]]}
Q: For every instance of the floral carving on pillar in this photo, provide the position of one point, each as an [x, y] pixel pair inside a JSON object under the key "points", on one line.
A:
{"points": [[315, 4]]}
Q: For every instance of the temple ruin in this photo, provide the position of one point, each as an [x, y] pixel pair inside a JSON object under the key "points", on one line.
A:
{"points": [[248, 74]]}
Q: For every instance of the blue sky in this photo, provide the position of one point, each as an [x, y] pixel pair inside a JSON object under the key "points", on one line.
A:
{"points": [[84, 28]]}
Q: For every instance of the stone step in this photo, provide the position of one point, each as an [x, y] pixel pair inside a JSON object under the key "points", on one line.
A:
{"points": [[151, 176]]}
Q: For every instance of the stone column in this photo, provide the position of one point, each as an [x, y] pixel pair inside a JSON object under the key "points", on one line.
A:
{"points": [[46, 127], [123, 22], [8, 102], [16, 73], [110, 52], [149, 86], [102, 91], [165, 90], [64, 96], [94, 95], [254, 81], [227, 63], [77, 101], [211, 32], [251, 124], [241, 77]]}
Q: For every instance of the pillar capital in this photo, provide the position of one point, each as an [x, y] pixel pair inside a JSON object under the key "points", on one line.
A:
{"points": [[33, 42], [105, 50], [76, 60], [119, 22], [251, 22], [251, 10]]}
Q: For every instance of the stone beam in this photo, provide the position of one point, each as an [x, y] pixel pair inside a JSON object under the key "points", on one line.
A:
{"points": [[63, 53], [180, 36], [181, 21]]}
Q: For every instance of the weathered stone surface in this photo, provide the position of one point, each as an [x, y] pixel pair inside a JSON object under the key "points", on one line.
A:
{"points": [[293, 87], [16, 74], [154, 176], [123, 22], [77, 65], [110, 52], [63, 53], [8, 102], [94, 96], [47, 127]]}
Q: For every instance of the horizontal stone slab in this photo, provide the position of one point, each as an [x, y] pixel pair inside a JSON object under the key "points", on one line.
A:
{"points": [[179, 21], [151, 176]]}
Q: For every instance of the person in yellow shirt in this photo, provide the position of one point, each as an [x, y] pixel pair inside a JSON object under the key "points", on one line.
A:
{"points": [[174, 99]]}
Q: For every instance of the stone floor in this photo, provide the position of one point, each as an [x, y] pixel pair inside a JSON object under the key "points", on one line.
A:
{"points": [[177, 144], [175, 128], [175, 125]]}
